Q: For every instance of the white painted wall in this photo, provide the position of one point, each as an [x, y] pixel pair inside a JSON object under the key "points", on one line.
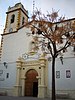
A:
{"points": [[63, 83], [8, 82], [14, 45]]}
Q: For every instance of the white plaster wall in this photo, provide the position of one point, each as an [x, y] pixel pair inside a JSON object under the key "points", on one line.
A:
{"points": [[14, 45], [63, 83], [8, 82]]}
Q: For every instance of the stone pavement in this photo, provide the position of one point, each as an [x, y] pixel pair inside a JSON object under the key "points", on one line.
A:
{"points": [[26, 98]]}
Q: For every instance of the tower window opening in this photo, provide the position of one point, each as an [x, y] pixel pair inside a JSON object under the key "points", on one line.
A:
{"points": [[23, 19], [12, 18]]}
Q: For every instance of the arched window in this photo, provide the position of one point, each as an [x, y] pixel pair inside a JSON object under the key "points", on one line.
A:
{"points": [[23, 19], [12, 18]]}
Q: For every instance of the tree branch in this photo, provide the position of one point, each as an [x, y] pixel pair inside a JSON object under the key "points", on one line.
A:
{"points": [[67, 44]]}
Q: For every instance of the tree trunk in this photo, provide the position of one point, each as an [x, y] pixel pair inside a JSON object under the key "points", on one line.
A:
{"points": [[53, 78]]}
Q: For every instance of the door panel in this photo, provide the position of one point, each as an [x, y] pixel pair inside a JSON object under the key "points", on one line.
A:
{"points": [[31, 83], [35, 89]]}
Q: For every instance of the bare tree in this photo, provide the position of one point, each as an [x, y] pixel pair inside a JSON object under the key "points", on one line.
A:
{"points": [[58, 34]]}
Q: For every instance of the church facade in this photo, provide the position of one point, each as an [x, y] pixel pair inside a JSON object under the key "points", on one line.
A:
{"points": [[25, 72]]}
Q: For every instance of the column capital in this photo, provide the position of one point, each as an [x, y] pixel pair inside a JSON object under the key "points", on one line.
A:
{"points": [[18, 62], [42, 57], [42, 61], [23, 78], [18, 67], [38, 77]]}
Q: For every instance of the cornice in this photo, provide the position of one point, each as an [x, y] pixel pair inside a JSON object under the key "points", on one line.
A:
{"points": [[8, 33], [17, 10]]}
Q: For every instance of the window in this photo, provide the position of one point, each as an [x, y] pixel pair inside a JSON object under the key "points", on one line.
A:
{"points": [[74, 49], [68, 74], [7, 75], [23, 19], [12, 18], [57, 74]]}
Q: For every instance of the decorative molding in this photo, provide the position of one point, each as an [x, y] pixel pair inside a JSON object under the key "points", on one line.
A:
{"points": [[32, 63], [31, 55], [9, 33], [23, 78], [17, 10]]}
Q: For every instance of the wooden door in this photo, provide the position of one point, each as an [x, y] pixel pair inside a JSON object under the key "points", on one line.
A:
{"points": [[31, 83], [35, 89]]}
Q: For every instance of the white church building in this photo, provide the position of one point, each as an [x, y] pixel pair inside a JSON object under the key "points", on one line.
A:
{"points": [[24, 72]]}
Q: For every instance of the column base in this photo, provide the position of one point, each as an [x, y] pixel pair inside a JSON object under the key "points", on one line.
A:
{"points": [[42, 91], [17, 90]]}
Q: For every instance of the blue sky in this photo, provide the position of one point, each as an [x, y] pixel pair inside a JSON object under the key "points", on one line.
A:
{"points": [[65, 7]]}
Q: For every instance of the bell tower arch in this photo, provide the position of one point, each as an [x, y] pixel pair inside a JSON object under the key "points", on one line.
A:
{"points": [[17, 16]]}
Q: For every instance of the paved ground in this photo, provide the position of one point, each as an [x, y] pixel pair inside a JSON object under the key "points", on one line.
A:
{"points": [[26, 98]]}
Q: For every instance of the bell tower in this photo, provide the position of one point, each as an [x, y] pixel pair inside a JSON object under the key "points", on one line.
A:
{"points": [[17, 16]]}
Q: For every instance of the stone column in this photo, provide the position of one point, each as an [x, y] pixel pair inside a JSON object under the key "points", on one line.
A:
{"points": [[18, 86], [23, 85], [42, 87], [39, 82]]}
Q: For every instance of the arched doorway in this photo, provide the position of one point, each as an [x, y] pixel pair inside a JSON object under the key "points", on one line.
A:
{"points": [[31, 83]]}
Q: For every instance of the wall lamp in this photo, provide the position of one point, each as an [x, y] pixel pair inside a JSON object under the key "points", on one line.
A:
{"points": [[61, 59], [5, 64]]}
